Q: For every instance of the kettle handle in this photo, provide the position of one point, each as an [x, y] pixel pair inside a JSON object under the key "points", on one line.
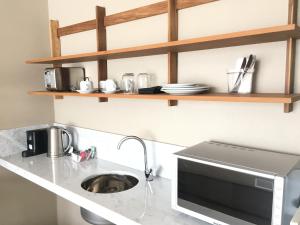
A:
{"points": [[70, 139]]}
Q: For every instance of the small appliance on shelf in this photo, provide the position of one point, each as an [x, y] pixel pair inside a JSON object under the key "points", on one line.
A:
{"points": [[185, 89], [63, 78]]}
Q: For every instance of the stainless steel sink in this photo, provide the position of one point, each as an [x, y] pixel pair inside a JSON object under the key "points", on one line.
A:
{"points": [[105, 183], [109, 183], [92, 218]]}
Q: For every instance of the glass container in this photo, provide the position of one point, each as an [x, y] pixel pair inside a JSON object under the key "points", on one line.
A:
{"points": [[128, 84], [143, 80]]}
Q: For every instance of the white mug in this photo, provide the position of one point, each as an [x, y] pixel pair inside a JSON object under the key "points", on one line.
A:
{"points": [[108, 85], [86, 85]]}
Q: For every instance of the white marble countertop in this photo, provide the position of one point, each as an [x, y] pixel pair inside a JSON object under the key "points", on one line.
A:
{"points": [[135, 206]]}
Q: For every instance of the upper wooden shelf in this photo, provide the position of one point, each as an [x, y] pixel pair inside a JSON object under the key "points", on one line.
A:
{"points": [[221, 97], [263, 35]]}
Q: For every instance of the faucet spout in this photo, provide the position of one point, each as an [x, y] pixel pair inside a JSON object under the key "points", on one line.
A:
{"points": [[148, 172]]}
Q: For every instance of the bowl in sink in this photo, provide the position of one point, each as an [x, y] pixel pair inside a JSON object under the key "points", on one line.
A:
{"points": [[109, 183]]}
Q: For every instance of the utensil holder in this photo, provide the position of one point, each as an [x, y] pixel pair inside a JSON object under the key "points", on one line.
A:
{"points": [[240, 82]]}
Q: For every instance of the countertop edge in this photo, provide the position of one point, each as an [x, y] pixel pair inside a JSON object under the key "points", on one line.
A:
{"points": [[68, 195]]}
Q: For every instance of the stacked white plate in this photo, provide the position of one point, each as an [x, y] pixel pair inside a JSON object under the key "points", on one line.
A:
{"points": [[184, 89]]}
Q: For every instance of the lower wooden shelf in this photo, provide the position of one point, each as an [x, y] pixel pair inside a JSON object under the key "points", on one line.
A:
{"points": [[221, 97]]}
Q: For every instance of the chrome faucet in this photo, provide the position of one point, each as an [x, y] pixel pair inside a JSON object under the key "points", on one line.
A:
{"points": [[148, 172]]}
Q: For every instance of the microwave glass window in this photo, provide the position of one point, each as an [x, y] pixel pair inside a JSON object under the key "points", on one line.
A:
{"points": [[239, 195]]}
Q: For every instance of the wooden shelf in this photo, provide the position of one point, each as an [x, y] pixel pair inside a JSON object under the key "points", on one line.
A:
{"points": [[288, 33], [221, 97], [264, 35]]}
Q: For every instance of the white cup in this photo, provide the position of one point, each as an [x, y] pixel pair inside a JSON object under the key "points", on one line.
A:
{"points": [[108, 85], [86, 85], [102, 84]]}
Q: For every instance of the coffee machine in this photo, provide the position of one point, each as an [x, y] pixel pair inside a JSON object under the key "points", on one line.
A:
{"points": [[37, 142]]}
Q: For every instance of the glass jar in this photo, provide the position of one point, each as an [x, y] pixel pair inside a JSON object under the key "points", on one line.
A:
{"points": [[143, 80], [128, 84]]}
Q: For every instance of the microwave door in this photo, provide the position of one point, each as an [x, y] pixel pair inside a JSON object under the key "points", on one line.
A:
{"points": [[224, 194]]}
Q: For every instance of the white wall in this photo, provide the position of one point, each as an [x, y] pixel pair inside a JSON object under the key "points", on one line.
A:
{"points": [[24, 32], [257, 125]]}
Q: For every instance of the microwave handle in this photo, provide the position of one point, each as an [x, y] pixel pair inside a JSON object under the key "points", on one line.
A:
{"points": [[296, 218]]}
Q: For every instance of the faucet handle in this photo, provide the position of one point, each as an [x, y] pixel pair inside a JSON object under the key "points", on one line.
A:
{"points": [[148, 174]]}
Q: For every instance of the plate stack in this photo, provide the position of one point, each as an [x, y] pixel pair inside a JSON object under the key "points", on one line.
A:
{"points": [[184, 89]]}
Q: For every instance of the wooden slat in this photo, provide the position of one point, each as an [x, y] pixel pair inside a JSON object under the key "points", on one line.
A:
{"points": [[55, 41], [77, 28], [151, 10], [290, 71], [172, 36], [293, 12], [138, 13], [130, 15], [264, 35], [221, 97], [183, 4], [101, 46], [290, 55]]}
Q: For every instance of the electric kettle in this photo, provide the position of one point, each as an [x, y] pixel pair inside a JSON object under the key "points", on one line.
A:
{"points": [[55, 142]]}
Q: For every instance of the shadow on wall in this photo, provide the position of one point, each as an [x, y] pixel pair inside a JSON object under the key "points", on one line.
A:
{"points": [[20, 205]]}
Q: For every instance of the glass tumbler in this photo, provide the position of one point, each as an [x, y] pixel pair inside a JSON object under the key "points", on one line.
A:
{"points": [[143, 80], [128, 85]]}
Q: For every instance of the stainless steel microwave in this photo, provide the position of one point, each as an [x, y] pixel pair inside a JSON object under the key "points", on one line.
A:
{"points": [[230, 185]]}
